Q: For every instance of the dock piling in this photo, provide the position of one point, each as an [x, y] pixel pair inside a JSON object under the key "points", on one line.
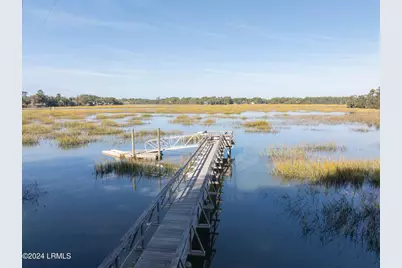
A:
{"points": [[159, 144], [132, 144]]}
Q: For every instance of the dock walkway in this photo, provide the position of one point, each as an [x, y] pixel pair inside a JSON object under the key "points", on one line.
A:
{"points": [[165, 234]]}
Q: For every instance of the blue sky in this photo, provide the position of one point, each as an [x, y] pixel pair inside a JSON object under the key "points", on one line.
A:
{"points": [[147, 48]]}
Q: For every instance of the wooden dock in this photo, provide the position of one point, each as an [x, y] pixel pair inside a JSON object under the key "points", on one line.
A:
{"points": [[166, 233]]}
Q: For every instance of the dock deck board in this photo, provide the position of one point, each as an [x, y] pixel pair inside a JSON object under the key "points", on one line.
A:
{"points": [[169, 236]]}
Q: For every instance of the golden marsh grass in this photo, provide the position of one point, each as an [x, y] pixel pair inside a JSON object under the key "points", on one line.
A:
{"points": [[30, 140], [65, 141], [328, 171], [257, 126]]}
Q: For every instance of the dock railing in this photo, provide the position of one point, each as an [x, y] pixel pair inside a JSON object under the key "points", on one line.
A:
{"points": [[135, 236]]}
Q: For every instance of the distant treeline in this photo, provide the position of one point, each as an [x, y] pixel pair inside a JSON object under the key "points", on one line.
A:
{"points": [[369, 101], [40, 99]]}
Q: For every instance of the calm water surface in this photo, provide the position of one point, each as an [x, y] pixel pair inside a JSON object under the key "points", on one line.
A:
{"points": [[86, 216]]}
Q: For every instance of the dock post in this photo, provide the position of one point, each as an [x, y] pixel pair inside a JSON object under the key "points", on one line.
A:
{"points": [[132, 144], [159, 144]]}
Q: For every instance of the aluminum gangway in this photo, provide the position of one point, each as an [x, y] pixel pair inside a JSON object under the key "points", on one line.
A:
{"points": [[167, 231]]}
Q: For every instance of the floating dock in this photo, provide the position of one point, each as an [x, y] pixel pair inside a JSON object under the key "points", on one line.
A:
{"points": [[140, 155]]}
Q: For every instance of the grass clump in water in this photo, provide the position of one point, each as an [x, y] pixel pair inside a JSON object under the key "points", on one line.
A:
{"points": [[329, 172], [30, 140], [185, 120], [134, 121], [257, 126], [66, 141], [133, 168], [209, 122], [146, 116]]}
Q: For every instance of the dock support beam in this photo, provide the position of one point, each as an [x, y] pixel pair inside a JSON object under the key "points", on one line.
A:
{"points": [[159, 144], [132, 144]]}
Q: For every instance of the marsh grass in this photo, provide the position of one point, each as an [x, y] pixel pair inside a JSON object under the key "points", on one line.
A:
{"points": [[257, 126], [36, 129], [371, 118], [257, 123], [297, 163], [47, 120], [302, 151], [104, 130], [81, 112], [145, 116], [109, 123], [186, 120], [323, 147], [26, 121], [134, 168], [134, 121], [82, 125], [30, 139], [285, 153], [329, 172], [209, 122], [113, 116], [223, 116], [65, 141]]}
